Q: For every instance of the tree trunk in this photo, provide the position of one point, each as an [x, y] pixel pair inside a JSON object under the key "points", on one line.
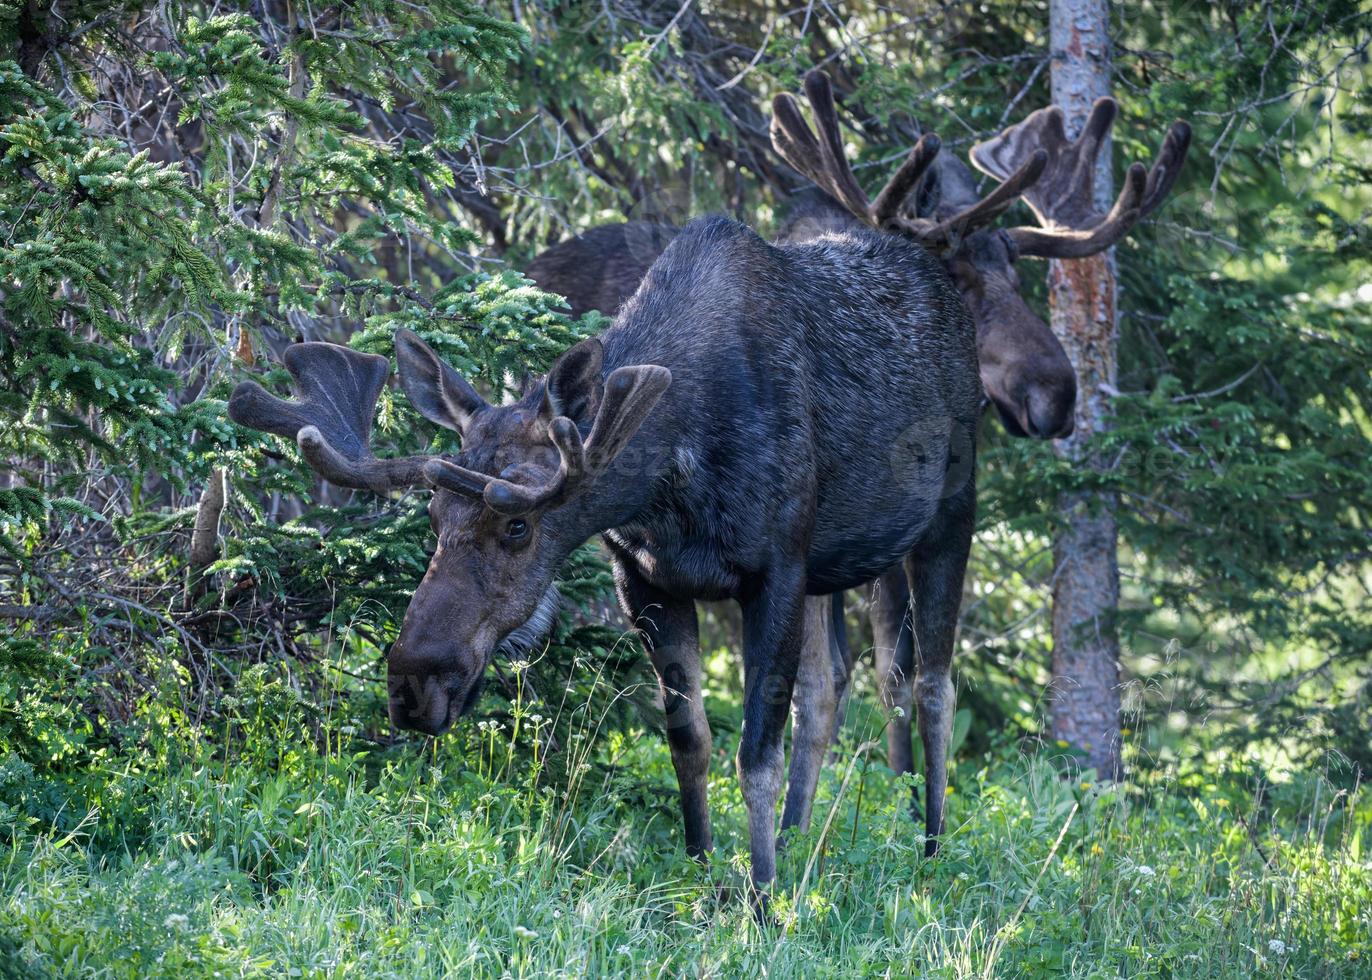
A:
{"points": [[205, 538], [1086, 701]]}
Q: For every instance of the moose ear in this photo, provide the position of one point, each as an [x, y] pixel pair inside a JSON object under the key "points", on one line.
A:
{"points": [[573, 387], [630, 394], [438, 392]]}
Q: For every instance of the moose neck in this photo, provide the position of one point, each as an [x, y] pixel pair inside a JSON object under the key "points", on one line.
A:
{"points": [[812, 213]]}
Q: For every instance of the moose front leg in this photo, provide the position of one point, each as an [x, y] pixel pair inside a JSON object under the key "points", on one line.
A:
{"points": [[772, 631], [669, 631], [935, 570]]}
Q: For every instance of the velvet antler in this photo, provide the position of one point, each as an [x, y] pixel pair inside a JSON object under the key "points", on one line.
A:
{"points": [[1063, 198], [823, 161], [330, 417]]}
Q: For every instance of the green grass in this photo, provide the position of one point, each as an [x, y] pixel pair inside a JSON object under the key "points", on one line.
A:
{"points": [[287, 858]]}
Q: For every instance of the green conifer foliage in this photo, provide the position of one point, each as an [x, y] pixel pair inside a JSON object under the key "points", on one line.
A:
{"points": [[182, 193]]}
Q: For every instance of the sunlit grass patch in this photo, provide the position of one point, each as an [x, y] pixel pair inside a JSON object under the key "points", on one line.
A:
{"points": [[415, 863]]}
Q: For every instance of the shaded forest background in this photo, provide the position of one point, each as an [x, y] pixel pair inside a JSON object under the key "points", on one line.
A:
{"points": [[185, 188], [184, 195]]}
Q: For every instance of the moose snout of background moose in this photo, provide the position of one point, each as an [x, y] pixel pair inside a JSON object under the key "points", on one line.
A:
{"points": [[772, 422]]}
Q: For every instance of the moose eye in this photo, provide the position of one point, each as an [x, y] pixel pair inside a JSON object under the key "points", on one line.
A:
{"points": [[517, 530]]}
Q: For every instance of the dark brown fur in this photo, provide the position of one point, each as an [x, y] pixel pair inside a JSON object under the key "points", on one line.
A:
{"points": [[600, 268]]}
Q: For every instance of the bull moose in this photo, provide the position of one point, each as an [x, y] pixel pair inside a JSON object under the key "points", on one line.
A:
{"points": [[1024, 371], [761, 422]]}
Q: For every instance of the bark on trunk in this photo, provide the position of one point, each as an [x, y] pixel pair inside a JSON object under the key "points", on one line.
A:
{"points": [[1086, 701]]}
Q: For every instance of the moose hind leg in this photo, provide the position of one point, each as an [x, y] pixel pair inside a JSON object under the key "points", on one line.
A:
{"points": [[935, 570], [840, 662]]}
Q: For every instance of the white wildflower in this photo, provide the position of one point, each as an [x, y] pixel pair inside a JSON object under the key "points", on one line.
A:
{"points": [[176, 921], [524, 932], [1145, 871], [1277, 947]]}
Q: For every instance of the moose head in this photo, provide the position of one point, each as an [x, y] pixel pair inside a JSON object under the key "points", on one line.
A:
{"points": [[1024, 369], [507, 511]]}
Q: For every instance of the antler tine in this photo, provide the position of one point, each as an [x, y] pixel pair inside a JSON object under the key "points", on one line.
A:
{"points": [[1063, 200], [1093, 135], [630, 393], [888, 203], [1167, 167], [835, 161], [331, 416], [793, 139], [823, 160], [509, 498]]}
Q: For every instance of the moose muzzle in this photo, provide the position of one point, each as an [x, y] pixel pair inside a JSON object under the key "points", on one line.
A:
{"points": [[432, 677], [1049, 409], [428, 696]]}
